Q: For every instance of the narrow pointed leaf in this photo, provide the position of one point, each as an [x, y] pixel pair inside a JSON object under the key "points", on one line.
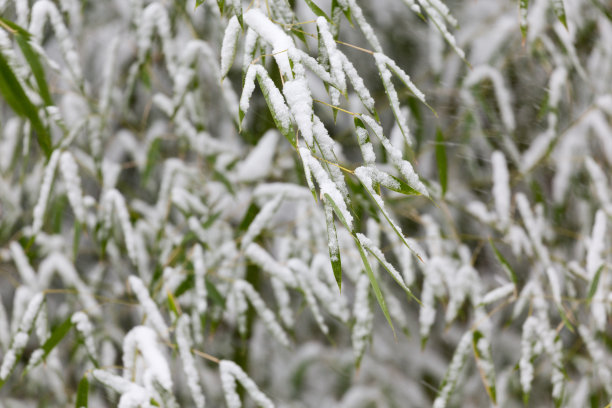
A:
{"points": [[82, 399], [338, 212], [23, 36], [57, 335], [523, 7], [441, 159], [594, 284], [334, 250], [15, 96], [560, 12], [315, 9], [505, 264], [377, 292]]}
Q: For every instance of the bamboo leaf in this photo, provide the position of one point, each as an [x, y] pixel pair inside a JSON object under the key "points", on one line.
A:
{"points": [[337, 211], [393, 274], [404, 188], [334, 250], [441, 159], [23, 36], [284, 126], [11, 90], [505, 264], [523, 7], [214, 294], [82, 399], [315, 9], [560, 12], [566, 320], [172, 305], [37, 69], [377, 292], [57, 335], [594, 284]]}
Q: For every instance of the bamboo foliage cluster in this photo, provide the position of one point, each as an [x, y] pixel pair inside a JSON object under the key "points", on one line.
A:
{"points": [[305, 203]]}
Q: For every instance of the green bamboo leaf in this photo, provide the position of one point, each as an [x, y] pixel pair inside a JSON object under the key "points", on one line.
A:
{"points": [[594, 284], [214, 294], [23, 36], [391, 223], [505, 264], [185, 285], [346, 11], [248, 218], [78, 228], [523, 6], [153, 157], [37, 69], [441, 159], [385, 265], [15, 96], [374, 283], [172, 305], [56, 336], [82, 399], [560, 12], [315, 9]]}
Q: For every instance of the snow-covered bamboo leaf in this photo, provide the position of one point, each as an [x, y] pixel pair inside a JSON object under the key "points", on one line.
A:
{"points": [[21, 337], [454, 370], [364, 176], [380, 257], [276, 103], [230, 373], [339, 213], [484, 360], [332, 244], [230, 42]]}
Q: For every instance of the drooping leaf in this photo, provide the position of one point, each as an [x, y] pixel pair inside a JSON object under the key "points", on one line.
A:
{"points": [[441, 159], [82, 399], [377, 292], [559, 9], [23, 36], [315, 9], [172, 304], [337, 211], [334, 250], [15, 96], [594, 284], [505, 264], [523, 7], [56, 336], [286, 128]]}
